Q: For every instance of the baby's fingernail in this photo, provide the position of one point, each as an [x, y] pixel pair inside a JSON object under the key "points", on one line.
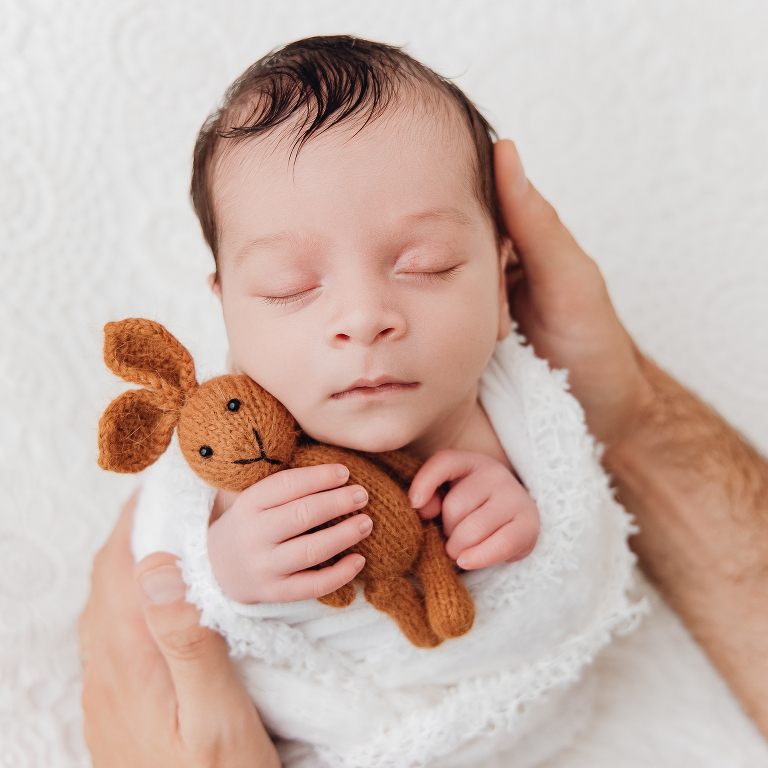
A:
{"points": [[359, 563], [342, 472], [365, 525], [163, 585], [461, 562], [359, 496], [416, 500]]}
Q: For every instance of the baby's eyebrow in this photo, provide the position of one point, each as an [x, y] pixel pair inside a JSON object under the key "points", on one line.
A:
{"points": [[447, 213], [441, 214], [267, 241]]}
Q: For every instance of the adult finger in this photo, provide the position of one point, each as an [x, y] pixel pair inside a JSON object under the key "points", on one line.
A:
{"points": [[544, 245], [291, 484], [310, 550], [297, 517], [308, 585], [442, 467], [197, 657], [122, 681], [562, 304]]}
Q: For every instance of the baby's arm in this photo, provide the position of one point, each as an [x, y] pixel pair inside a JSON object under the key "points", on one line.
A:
{"points": [[260, 549], [488, 517]]}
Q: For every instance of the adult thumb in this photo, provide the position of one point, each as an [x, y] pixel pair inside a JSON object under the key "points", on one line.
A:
{"points": [[545, 246], [197, 657]]}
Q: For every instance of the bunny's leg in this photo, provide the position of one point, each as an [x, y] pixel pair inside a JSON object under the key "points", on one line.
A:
{"points": [[450, 610], [340, 598], [399, 598]]}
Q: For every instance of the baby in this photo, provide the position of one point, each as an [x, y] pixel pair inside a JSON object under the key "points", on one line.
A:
{"points": [[360, 265], [348, 196]]}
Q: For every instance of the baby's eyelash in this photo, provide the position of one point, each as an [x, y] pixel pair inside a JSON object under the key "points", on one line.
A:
{"points": [[445, 274], [282, 301]]}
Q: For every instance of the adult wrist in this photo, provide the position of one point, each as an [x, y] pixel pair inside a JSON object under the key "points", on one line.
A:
{"points": [[692, 482], [634, 420]]}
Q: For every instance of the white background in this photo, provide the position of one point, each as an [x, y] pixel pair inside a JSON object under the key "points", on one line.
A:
{"points": [[645, 123]]}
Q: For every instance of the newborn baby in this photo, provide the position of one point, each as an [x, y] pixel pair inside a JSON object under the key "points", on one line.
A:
{"points": [[347, 194], [361, 277]]}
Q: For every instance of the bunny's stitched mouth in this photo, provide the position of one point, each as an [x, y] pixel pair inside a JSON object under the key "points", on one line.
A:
{"points": [[263, 456]]}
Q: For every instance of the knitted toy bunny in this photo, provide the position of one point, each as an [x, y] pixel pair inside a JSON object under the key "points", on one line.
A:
{"points": [[233, 433]]}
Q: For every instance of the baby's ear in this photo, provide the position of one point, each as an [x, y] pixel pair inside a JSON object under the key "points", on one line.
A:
{"points": [[143, 352], [507, 254], [214, 283], [134, 431]]}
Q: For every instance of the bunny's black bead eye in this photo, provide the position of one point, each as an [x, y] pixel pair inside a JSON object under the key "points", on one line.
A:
{"points": [[233, 404], [206, 451]]}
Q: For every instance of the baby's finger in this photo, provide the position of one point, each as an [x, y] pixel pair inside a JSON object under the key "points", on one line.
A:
{"points": [[478, 525], [304, 514], [442, 467], [432, 508], [291, 484], [511, 542], [314, 548], [308, 585], [472, 492]]}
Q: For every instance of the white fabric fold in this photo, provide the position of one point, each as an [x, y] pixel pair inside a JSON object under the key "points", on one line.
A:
{"points": [[511, 692]]}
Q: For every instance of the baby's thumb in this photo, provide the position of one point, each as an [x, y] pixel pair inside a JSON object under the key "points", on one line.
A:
{"points": [[197, 657]]}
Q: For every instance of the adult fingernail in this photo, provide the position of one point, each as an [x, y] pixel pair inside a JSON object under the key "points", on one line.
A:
{"points": [[342, 472], [359, 496], [163, 585], [365, 525]]}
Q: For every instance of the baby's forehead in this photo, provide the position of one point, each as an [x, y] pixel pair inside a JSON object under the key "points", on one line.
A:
{"points": [[414, 124]]}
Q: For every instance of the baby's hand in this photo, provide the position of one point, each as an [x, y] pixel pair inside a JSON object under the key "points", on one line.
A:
{"points": [[488, 517], [257, 549]]}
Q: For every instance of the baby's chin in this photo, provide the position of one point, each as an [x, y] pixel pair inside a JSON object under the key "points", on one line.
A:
{"points": [[370, 438]]}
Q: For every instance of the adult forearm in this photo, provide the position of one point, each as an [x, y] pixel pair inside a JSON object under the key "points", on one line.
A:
{"points": [[699, 494]]}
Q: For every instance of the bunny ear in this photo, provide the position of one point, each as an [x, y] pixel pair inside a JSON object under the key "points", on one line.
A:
{"points": [[143, 352], [134, 431]]}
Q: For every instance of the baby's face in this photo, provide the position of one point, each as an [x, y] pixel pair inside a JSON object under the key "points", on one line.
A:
{"points": [[362, 285]]}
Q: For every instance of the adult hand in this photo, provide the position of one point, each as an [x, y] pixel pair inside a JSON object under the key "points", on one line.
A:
{"points": [[159, 689], [560, 300], [698, 491]]}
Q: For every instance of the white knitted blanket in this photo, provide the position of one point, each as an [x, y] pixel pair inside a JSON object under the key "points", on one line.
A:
{"points": [[513, 690]]}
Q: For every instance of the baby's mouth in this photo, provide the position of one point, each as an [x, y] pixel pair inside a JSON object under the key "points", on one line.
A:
{"points": [[263, 456], [370, 387]]}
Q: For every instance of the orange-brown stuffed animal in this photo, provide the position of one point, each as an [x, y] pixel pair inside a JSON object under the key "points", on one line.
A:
{"points": [[233, 433]]}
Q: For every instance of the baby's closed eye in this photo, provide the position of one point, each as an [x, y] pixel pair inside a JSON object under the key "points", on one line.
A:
{"points": [[428, 266], [291, 298]]}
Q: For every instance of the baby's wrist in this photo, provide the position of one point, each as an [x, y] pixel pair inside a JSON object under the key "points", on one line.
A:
{"points": [[225, 561]]}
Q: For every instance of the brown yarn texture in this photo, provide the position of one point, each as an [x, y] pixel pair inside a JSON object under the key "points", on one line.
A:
{"points": [[233, 433]]}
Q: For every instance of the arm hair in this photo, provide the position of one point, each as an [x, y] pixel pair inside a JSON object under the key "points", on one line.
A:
{"points": [[699, 493]]}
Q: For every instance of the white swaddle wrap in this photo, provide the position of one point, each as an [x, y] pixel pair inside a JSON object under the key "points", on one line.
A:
{"points": [[513, 690]]}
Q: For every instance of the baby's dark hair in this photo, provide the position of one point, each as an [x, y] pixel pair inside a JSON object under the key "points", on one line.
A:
{"points": [[321, 82]]}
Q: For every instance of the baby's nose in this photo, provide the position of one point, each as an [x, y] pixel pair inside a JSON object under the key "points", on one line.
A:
{"points": [[365, 323]]}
